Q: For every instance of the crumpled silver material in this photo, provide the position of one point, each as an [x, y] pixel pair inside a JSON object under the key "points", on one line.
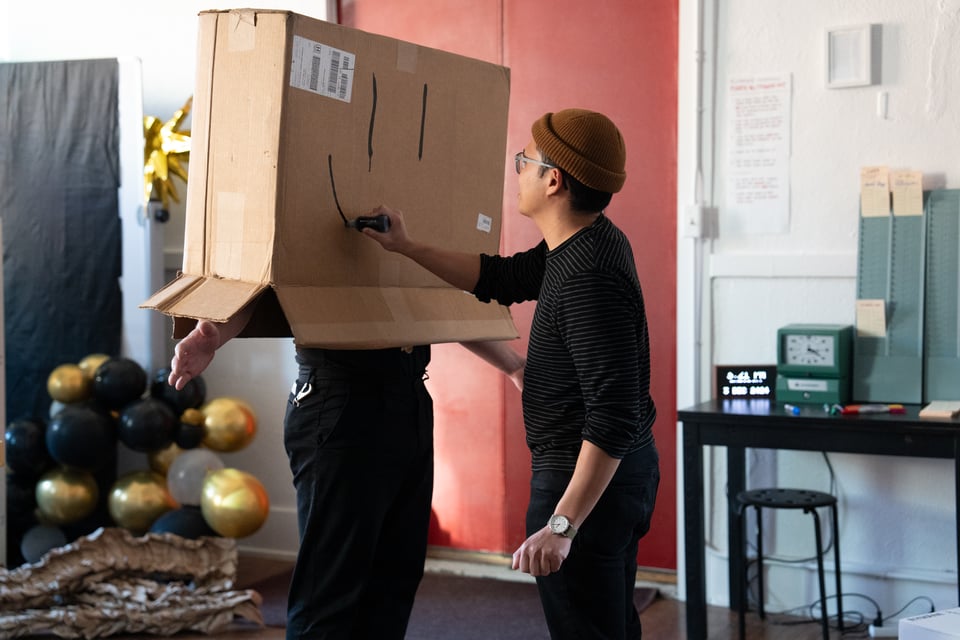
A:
{"points": [[111, 582]]}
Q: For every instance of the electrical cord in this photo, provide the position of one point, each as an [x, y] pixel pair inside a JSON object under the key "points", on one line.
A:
{"points": [[858, 626], [833, 475], [896, 614], [855, 623]]}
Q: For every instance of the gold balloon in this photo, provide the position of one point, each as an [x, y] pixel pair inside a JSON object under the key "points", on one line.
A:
{"points": [[229, 424], [67, 383], [193, 417], [160, 459], [138, 499], [66, 495], [234, 503], [91, 363]]}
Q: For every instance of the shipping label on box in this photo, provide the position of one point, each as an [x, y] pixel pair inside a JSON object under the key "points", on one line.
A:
{"points": [[300, 124]]}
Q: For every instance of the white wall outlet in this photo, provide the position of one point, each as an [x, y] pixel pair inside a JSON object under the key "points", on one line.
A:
{"points": [[698, 221], [886, 631]]}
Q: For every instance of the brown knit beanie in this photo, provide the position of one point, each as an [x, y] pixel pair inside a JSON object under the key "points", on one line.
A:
{"points": [[585, 144]]}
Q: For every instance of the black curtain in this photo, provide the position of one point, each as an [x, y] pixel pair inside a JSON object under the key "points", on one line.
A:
{"points": [[59, 175]]}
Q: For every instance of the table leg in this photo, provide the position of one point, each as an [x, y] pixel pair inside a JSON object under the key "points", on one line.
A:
{"points": [[696, 575], [956, 497], [736, 545]]}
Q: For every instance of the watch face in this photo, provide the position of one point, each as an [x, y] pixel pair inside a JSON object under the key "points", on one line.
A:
{"points": [[812, 350], [559, 524]]}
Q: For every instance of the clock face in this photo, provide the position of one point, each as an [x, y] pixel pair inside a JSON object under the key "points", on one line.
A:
{"points": [[811, 350]]}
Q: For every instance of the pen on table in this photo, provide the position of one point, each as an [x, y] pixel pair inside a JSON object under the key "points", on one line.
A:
{"points": [[873, 408], [795, 410]]}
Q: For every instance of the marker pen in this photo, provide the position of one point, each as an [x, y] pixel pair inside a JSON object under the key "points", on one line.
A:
{"points": [[873, 408], [792, 409]]}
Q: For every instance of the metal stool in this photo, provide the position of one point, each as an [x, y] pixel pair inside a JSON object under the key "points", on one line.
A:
{"points": [[809, 501]]}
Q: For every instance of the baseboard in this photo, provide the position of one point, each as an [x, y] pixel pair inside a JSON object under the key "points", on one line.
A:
{"points": [[467, 555], [482, 564]]}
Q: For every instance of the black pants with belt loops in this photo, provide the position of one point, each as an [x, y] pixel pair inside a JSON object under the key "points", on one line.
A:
{"points": [[359, 435], [591, 596]]}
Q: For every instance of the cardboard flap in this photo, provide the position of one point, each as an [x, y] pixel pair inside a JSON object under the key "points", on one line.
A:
{"points": [[374, 318], [202, 297]]}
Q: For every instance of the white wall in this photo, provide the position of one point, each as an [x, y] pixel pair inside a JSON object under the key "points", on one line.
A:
{"points": [[164, 40], [898, 539]]}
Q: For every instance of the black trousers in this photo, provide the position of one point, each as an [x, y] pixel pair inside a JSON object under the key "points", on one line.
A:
{"points": [[591, 596], [360, 444]]}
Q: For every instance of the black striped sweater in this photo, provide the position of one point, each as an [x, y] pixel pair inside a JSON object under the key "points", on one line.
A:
{"points": [[588, 364]]}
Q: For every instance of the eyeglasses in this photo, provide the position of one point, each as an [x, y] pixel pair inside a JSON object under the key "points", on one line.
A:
{"points": [[520, 160]]}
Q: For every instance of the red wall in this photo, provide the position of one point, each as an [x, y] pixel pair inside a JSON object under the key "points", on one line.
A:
{"points": [[617, 57]]}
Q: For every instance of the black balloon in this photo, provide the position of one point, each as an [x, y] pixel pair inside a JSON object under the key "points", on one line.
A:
{"points": [[118, 382], [80, 436], [191, 396], [26, 447], [189, 435], [186, 522], [21, 497], [147, 425]]}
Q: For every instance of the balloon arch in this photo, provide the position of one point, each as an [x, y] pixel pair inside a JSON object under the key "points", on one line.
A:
{"points": [[62, 481]]}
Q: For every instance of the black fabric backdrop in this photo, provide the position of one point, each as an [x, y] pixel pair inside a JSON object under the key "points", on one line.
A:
{"points": [[59, 175]]}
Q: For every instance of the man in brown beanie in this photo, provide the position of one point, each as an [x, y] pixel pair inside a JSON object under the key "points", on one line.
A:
{"points": [[586, 385]]}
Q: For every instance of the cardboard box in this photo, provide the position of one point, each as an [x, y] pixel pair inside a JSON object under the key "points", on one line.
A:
{"points": [[296, 121], [938, 625]]}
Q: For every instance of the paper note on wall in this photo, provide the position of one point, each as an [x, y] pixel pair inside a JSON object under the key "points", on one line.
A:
{"points": [[871, 318], [907, 189], [758, 155], [874, 192]]}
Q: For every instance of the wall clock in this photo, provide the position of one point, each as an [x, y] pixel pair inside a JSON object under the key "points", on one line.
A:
{"points": [[814, 363]]}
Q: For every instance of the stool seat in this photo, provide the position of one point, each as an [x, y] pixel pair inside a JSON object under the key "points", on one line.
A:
{"points": [[809, 501], [786, 498]]}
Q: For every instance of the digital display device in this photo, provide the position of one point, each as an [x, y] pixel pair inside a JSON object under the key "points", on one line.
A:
{"points": [[745, 381]]}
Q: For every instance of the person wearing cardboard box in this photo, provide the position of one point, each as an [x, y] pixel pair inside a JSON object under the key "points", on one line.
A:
{"points": [[358, 432], [587, 407]]}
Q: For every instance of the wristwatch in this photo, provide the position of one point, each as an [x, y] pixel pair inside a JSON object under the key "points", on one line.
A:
{"points": [[561, 526]]}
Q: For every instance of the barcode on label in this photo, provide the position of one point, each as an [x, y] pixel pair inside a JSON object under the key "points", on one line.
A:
{"points": [[315, 73], [321, 69], [334, 73], [484, 223]]}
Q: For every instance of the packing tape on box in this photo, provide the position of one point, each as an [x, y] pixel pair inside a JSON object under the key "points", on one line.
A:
{"points": [[242, 35], [407, 57]]}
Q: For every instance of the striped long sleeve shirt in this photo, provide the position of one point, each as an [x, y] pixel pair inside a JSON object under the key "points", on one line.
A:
{"points": [[588, 364]]}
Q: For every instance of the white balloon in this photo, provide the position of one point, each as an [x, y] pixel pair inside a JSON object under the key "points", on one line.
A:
{"points": [[56, 407], [40, 539], [188, 471]]}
